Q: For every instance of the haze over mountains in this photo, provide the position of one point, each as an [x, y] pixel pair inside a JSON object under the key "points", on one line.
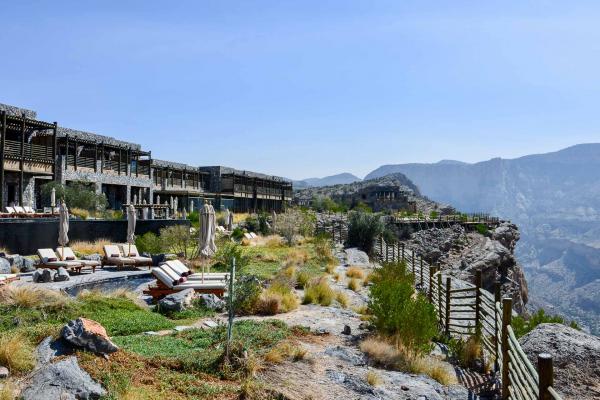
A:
{"points": [[338, 179], [554, 198]]}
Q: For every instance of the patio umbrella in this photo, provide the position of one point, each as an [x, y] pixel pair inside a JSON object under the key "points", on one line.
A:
{"points": [[274, 218], [135, 199], [131, 219], [213, 231], [206, 229], [226, 217], [184, 213], [191, 206], [230, 222], [63, 227], [53, 199], [158, 199]]}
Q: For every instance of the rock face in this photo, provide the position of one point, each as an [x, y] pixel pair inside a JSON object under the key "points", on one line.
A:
{"points": [[462, 253], [576, 357], [20, 263], [177, 301], [4, 266], [212, 302], [356, 257], [49, 349], [63, 380], [89, 335]]}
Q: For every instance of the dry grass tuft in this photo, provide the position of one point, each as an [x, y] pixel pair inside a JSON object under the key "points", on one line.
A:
{"points": [[245, 242], [273, 241], [8, 390], [363, 310], [373, 379], [318, 292], [87, 248], [277, 298], [14, 270], [367, 278], [284, 351], [330, 268], [302, 279], [337, 277], [470, 352], [33, 297], [355, 272], [354, 284], [16, 353], [342, 298]]}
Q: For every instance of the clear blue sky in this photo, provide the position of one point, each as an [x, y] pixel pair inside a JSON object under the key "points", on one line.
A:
{"points": [[311, 88]]}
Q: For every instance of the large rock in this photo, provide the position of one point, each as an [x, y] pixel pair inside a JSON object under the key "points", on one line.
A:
{"points": [[61, 275], [356, 257], [64, 380], [49, 349], [4, 266], [42, 275], [576, 357], [89, 335], [212, 302], [177, 301]]}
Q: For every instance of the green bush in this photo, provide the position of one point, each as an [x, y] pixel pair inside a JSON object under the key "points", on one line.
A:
{"points": [[194, 218], [362, 207], [225, 255], [397, 312], [149, 243], [482, 229], [247, 295], [522, 326], [237, 234], [363, 230], [434, 215], [76, 195]]}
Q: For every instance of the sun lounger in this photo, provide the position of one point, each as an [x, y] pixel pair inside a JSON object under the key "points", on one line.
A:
{"points": [[49, 259], [181, 270], [5, 279], [113, 256], [10, 210], [29, 210], [167, 283], [19, 210], [131, 251], [70, 256]]}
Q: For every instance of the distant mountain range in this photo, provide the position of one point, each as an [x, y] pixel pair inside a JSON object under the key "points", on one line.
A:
{"points": [[554, 198], [338, 179]]}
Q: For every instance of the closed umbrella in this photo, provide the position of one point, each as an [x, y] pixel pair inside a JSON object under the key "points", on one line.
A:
{"points": [[184, 213], [131, 220], [206, 229], [226, 217], [230, 222], [63, 227], [213, 230], [53, 200]]}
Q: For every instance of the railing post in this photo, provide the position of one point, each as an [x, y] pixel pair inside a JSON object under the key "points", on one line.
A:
{"points": [[403, 252], [381, 248], [431, 273], [496, 326], [506, 318], [448, 283], [421, 271], [439, 296], [546, 375], [387, 252], [412, 261], [478, 302]]}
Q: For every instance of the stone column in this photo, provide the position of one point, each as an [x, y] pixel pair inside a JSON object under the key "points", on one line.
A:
{"points": [[128, 194]]}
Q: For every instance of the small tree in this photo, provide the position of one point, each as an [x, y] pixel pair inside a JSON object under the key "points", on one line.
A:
{"points": [[397, 312], [77, 195], [294, 222], [179, 239], [363, 230]]}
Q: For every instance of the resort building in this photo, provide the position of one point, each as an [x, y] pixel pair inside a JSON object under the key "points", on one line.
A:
{"points": [[34, 152]]}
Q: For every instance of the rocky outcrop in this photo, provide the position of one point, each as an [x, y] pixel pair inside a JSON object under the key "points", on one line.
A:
{"points": [[461, 253], [576, 357], [42, 275], [4, 266], [19, 263], [62, 380], [88, 335], [177, 301]]}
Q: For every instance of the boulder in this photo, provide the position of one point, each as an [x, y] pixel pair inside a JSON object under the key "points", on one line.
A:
{"points": [[158, 259], [177, 301], [4, 373], [28, 265], [63, 380], [356, 257], [576, 358], [49, 349], [89, 335], [42, 275], [4, 266], [20, 263], [212, 302], [61, 275]]}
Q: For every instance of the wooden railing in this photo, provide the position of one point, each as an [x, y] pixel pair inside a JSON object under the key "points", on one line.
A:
{"points": [[464, 309], [33, 151]]}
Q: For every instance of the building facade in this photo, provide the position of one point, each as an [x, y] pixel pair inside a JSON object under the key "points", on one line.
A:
{"points": [[34, 152]]}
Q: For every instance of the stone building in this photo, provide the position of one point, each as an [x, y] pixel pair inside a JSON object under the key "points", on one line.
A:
{"points": [[34, 152]]}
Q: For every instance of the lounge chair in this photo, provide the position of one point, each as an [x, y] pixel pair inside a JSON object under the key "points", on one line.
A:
{"points": [[70, 256], [181, 270], [169, 283], [113, 256], [28, 210], [5, 279], [19, 210], [10, 210], [131, 251], [49, 259]]}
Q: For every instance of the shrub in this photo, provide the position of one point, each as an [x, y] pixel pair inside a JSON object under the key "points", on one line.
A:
{"points": [[229, 251], [87, 248], [522, 326], [277, 298], [482, 229], [302, 279], [237, 234], [149, 243], [258, 223], [318, 292], [354, 284], [323, 250], [16, 353], [80, 195], [398, 311], [363, 230], [247, 294], [355, 272], [80, 213], [373, 379], [342, 299], [194, 218], [179, 239], [34, 297], [292, 223], [8, 390]]}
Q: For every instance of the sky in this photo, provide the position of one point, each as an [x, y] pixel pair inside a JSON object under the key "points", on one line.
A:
{"points": [[310, 88]]}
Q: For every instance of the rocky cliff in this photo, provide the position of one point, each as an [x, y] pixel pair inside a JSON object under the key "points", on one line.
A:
{"points": [[461, 253]]}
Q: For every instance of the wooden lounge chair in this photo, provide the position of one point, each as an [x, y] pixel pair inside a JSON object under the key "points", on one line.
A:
{"points": [[169, 283], [19, 210], [113, 256], [49, 259], [70, 256], [181, 270], [5, 279], [133, 253], [10, 210], [28, 210]]}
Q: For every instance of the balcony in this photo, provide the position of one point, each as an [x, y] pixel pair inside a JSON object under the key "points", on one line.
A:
{"points": [[33, 152]]}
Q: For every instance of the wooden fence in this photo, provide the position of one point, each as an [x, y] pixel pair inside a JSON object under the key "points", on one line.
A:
{"points": [[464, 309]]}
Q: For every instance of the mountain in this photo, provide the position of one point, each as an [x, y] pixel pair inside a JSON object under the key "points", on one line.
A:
{"points": [[338, 179], [554, 198]]}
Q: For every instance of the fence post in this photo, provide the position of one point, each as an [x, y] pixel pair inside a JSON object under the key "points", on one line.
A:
{"points": [[403, 252], [546, 375], [412, 261], [421, 271], [387, 252], [439, 296], [478, 302], [448, 283], [496, 326], [381, 248], [506, 318], [431, 272]]}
